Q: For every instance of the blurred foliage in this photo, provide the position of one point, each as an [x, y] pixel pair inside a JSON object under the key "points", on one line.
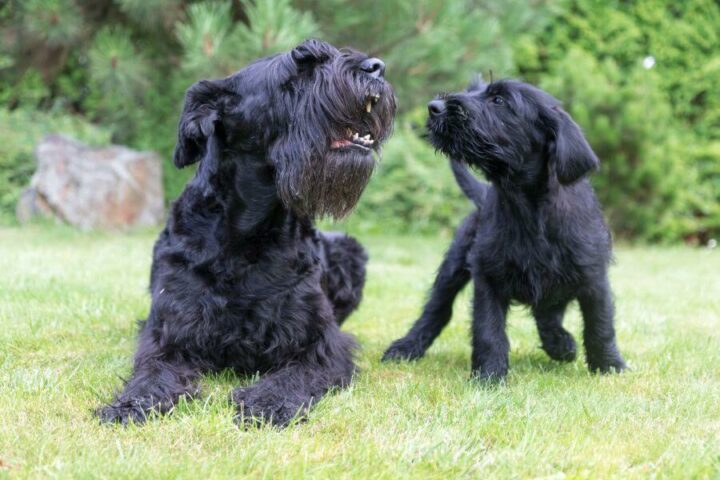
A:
{"points": [[627, 119], [433, 45], [20, 131], [123, 65], [641, 77]]}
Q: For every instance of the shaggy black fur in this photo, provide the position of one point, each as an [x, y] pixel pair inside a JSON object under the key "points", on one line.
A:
{"points": [[537, 237], [240, 277]]}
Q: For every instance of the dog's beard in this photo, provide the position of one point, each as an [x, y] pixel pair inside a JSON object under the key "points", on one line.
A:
{"points": [[327, 186]]}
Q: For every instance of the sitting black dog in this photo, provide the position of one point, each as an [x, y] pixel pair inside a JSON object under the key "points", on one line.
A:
{"points": [[240, 277], [537, 237]]}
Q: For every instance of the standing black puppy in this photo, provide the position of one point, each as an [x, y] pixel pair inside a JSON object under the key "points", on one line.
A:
{"points": [[537, 237], [240, 277]]}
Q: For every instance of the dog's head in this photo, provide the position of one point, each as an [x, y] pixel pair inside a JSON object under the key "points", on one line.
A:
{"points": [[315, 115], [513, 131]]}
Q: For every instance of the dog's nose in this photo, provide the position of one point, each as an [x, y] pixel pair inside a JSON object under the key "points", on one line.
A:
{"points": [[374, 67], [436, 107]]}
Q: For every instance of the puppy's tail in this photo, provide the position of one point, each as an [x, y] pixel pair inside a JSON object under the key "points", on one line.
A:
{"points": [[471, 186]]}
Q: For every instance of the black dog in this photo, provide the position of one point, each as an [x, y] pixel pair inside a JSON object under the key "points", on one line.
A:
{"points": [[240, 277], [537, 237]]}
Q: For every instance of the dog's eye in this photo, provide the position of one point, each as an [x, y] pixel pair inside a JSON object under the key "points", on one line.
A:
{"points": [[498, 100]]}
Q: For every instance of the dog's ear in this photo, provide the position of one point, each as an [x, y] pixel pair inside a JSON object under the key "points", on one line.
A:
{"points": [[310, 53], [570, 152], [202, 110]]}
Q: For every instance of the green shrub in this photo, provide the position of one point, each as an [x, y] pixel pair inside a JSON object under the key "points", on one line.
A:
{"points": [[641, 78], [124, 65], [627, 121], [431, 46]]}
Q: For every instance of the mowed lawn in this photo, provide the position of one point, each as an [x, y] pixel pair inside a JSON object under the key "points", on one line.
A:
{"points": [[68, 306]]}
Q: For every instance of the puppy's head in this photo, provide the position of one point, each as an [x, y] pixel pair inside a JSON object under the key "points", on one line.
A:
{"points": [[514, 132], [315, 115]]}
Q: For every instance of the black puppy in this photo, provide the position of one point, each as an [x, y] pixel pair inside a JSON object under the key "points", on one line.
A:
{"points": [[537, 237], [240, 277]]}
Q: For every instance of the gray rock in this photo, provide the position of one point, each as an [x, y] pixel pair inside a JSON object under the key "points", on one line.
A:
{"points": [[107, 188]]}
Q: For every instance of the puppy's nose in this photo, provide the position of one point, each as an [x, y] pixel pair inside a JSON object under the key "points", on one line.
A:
{"points": [[374, 67], [436, 108]]}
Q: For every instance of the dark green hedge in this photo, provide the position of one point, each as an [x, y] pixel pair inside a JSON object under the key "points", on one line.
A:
{"points": [[640, 77]]}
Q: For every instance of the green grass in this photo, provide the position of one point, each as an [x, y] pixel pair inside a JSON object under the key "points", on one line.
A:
{"points": [[68, 305]]}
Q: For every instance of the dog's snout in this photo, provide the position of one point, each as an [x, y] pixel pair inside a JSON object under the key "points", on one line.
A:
{"points": [[436, 108], [374, 67]]}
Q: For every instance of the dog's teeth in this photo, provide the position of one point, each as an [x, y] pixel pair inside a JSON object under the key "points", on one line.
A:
{"points": [[366, 137], [355, 136], [371, 142], [368, 106]]}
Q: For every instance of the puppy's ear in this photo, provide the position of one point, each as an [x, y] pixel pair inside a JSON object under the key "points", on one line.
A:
{"points": [[202, 110], [572, 155]]}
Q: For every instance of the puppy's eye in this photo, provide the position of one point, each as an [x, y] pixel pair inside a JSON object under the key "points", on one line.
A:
{"points": [[498, 100]]}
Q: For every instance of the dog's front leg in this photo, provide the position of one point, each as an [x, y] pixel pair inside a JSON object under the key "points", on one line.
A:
{"points": [[598, 312], [157, 382], [290, 390], [557, 342], [490, 345], [452, 276]]}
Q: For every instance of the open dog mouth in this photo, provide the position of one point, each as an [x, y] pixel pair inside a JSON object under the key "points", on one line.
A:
{"points": [[353, 137], [354, 140]]}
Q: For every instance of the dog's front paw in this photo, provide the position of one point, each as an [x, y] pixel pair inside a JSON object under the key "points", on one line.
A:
{"points": [[256, 408], [403, 349], [122, 413], [605, 360], [490, 376], [491, 370], [560, 345]]}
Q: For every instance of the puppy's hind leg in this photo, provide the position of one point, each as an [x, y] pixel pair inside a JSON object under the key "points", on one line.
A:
{"points": [[157, 382], [289, 391], [557, 342], [453, 275]]}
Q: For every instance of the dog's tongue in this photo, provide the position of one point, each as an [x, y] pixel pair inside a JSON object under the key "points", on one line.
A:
{"points": [[340, 143]]}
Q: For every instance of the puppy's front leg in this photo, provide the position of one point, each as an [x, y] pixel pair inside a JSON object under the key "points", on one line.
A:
{"points": [[452, 276], [598, 312], [290, 390], [557, 342], [490, 345]]}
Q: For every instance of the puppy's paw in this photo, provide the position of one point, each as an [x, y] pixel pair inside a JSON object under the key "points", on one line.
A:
{"points": [[256, 409], [605, 360], [492, 370], [488, 377], [560, 345], [403, 349], [615, 365], [122, 413]]}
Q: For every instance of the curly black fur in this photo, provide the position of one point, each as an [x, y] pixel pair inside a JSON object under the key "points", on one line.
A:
{"points": [[240, 277], [538, 236]]}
